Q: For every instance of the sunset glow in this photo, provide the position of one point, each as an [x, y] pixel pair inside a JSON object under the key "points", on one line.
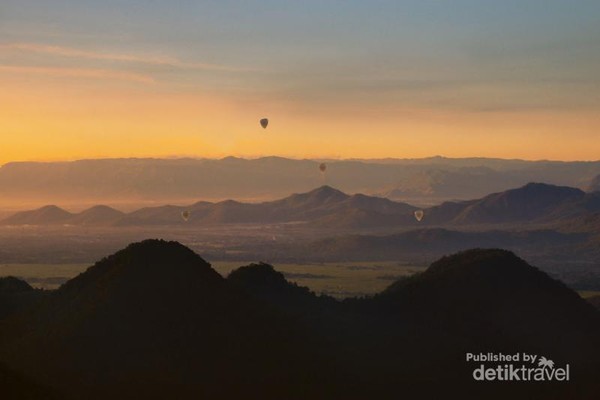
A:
{"points": [[194, 81]]}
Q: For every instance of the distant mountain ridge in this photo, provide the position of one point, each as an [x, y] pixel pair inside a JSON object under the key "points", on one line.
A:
{"points": [[534, 201], [428, 180], [320, 206], [54, 215], [595, 185], [329, 207], [97, 215], [47, 215]]}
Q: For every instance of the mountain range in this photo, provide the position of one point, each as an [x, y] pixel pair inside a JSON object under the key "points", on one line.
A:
{"points": [[533, 202], [154, 320], [324, 205], [328, 207], [135, 181]]}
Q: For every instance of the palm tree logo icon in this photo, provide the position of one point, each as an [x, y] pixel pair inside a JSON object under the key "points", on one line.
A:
{"points": [[544, 362]]}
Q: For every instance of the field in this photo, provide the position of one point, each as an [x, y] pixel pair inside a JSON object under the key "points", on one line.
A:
{"points": [[586, 294], [339, 280]]}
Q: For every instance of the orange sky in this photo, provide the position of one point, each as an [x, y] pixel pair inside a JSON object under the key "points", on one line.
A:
{"points": [[70, 117], [414, 81]]}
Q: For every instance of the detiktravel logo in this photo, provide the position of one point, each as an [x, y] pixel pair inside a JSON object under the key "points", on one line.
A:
{"points": [[516, 367]]}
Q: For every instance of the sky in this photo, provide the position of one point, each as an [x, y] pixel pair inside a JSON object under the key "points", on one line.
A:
{"points": [[337, 79]]}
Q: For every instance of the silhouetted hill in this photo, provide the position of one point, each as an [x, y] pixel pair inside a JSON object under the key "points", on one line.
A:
{"points": [[48, 215], [15, 295], [520, 301], [10, 285], [14, 386], [416, 333], [261, 280], [492, 301], [155, 320], [494, 298], [595, 301], [264, 282]]}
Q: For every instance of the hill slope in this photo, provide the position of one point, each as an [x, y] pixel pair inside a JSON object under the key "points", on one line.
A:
{"points": [[97, 215], [47, 215], [595, 184], [531, 202], [322, 206], [156, 320]]}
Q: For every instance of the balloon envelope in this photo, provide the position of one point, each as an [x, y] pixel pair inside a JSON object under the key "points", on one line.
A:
{"points": [[419, 215], [323, 167], [264, 122], [185, 215]]}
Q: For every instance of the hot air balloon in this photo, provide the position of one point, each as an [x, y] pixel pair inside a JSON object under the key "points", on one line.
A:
{"points": [[323, 167], [264, 122], [185, 215], [419, 215]]}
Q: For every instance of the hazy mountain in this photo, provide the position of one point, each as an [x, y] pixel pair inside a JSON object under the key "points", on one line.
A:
{"points": [[163, 215], [595, 185], [329, 207], [428, 180], [323, 206], [47, 215], [528, 203], [97, 215], [53, 215], [461, 183]]}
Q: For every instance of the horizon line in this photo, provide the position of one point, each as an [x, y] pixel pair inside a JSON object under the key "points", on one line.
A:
{"points": [[291, 158]]}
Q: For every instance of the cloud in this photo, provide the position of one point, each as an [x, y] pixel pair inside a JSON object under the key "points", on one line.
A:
{"points": [[78, 73], [61, 51]]}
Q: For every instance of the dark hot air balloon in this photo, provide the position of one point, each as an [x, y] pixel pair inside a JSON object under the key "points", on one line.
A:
{"points": [[264, 122]]}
